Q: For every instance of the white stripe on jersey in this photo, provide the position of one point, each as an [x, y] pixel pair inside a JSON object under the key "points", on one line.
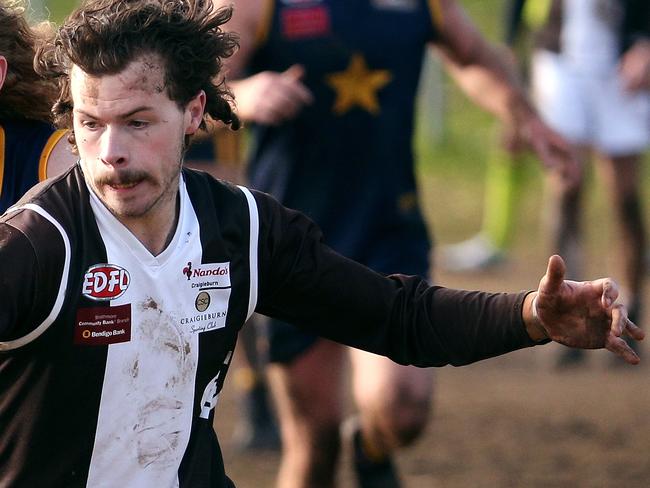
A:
{"points": [[254, 238], [145, 414], [58, 303]]}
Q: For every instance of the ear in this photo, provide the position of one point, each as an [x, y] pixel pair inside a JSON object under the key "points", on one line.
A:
{"points": [[194, 113], [3, 70]]}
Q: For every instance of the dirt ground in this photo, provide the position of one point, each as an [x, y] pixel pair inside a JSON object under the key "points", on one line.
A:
{"points": [[513, 421]]}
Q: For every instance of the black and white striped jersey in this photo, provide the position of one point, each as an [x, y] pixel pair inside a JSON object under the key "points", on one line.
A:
{"points": [[111, 359]]}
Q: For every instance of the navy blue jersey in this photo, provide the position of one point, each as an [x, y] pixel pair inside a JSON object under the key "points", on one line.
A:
{"points": [[25, 146], [346, 160]]}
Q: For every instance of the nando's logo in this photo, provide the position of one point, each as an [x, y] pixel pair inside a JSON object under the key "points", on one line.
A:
{"points": [[105, 282], [205, 271], [187, 270]]}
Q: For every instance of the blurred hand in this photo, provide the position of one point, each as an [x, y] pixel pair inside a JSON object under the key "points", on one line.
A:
{"points": [[272, 98], [555, 152], [635, 67], [581, 314]]}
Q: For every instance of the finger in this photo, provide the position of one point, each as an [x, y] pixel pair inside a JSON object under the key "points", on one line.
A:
{"points": [[610, 292], [634, 331], [619, 320], [554, 277], [619, 347], [295, 72], [294, 75]]}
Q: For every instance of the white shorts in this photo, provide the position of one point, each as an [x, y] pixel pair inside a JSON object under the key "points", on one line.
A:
{"points": [[590, 109]]}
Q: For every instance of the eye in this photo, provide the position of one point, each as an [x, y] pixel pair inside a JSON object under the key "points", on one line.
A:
{"points": [[89, 124], [138, 124]]}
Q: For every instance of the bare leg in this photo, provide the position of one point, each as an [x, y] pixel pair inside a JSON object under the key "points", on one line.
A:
{"points": [[394, 401], [308, 396], [622, 176]]}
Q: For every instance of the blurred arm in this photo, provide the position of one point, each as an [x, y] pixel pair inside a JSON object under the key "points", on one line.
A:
{"points": [[266, 97], [635, 66], [488, 76]]}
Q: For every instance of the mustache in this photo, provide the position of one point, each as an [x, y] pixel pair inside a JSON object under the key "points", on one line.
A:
{"points": [[123, 177]]}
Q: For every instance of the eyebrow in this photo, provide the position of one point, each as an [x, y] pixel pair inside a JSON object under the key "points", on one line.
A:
{"points": [[126, 115]]}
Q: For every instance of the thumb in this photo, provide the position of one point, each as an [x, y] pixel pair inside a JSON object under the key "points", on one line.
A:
{"points": [[295, 72], [554, 277]]}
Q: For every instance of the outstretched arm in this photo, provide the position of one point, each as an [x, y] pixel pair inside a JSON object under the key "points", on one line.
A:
{"points": [[582, 314], [304, 282]]}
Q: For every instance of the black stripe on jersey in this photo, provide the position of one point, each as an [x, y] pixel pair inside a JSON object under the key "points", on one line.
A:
{"points": [[227, 241]]}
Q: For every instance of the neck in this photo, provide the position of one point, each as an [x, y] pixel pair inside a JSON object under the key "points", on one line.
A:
{"points": [[156, 230]]}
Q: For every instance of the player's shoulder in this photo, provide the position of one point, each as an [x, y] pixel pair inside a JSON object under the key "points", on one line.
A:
{"points": [[227, 199], [53, 189], [201, 182], [44, 214], [28, 234]]}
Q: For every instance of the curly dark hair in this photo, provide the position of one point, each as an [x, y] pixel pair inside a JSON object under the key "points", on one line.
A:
{"points": [[102, 37], [25, 94]]}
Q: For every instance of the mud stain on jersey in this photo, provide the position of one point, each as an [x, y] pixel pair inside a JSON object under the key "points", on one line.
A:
{"points": [[166, 373], [155, 443], [149, 303], [135, 369]]}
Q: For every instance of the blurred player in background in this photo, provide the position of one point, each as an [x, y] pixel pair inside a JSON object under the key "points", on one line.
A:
{"points": [[330, 89], [591, 78], [506, 163], [30, 148]]}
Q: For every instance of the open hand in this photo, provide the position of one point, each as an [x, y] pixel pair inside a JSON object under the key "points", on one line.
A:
{"points": [[581, 314]]}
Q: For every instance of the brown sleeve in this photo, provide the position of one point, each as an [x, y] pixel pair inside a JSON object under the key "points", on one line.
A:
{"points": [[29, 280], [305, 283]]}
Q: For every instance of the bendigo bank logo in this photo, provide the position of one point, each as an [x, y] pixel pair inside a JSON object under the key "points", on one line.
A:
{"points": [[105, 282]]}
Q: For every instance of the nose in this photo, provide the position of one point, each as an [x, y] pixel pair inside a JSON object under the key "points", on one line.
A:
{"points": [[113, 148]]}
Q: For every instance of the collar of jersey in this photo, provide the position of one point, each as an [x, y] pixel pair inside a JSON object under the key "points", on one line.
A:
{"points": [[110, 226]]}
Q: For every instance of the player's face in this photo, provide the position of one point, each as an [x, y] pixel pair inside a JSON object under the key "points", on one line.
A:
{"points": [[130, 138]]}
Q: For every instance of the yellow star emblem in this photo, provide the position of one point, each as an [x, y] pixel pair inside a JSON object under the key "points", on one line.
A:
{"points": [[357, 85]]}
